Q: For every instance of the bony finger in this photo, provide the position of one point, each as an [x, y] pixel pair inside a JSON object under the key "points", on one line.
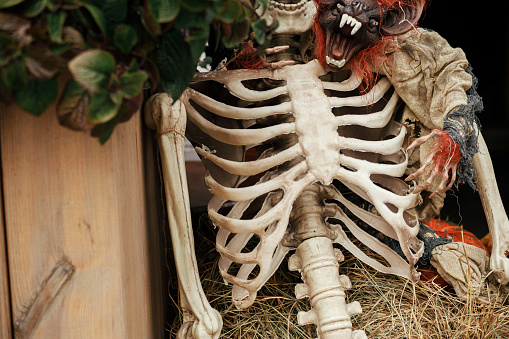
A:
{"points": [[440, 189], [414, 144], [421, 187], [281, 64], [411, 177], [421, 140], [276, 49], [418, 189], [417, 173]]}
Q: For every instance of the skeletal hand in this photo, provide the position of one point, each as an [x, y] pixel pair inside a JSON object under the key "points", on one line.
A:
{"points": [[443, 160], [279, 64], [246, 57]]}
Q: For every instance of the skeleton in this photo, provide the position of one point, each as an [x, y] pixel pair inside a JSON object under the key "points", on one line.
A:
{"points": [[317, 136]]}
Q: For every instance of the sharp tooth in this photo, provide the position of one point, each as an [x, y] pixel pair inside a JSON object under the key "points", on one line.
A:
{"points": [[349, 21], [358, 26], [343, 20], [353, 22], [336, 63]]}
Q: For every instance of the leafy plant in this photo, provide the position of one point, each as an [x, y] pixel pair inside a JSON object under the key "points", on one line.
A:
{"points": [[113, 50]]}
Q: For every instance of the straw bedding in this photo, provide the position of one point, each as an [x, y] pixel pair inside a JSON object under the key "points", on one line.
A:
{"points": [[392, 306]]}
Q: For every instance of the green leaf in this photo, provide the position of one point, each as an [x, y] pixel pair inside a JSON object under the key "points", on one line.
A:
{"points": [[5, 91], [263, 3], [9, 3], [59, 49], [258, 28], [175, 64], [116, 97], [133, 66], [101, 108], [113, 82], [38, 96], [240, 31], [197, 42], [115, 13], [72, 109], [32, 8], [96, 3], [231, 11], [70, 5], [53, 5], [104, 131], [195, 5], [56, 25], [188, 19], [168, 10], [92, 69], [5, 40], [98, 17], [198, 27], [125, 38], [131, 84], [150, 17], [15, 75]]}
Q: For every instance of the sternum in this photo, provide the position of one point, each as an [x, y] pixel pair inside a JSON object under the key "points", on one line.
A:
{"points": [[315, 123]]}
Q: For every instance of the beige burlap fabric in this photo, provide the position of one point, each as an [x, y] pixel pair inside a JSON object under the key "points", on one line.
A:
{"points": [[429, 75]]}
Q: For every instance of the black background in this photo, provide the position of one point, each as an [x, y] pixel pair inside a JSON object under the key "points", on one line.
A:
{"points": [[481, 30]]}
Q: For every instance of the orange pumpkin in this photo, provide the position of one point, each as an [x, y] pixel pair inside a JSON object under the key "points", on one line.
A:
{"points": [[448, 230]]}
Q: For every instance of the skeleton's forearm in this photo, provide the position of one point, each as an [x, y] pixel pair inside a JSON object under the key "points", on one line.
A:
{"points": [[462, 126]]}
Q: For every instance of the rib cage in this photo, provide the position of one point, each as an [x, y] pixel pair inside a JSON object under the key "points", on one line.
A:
{"points": [[300, 108]]}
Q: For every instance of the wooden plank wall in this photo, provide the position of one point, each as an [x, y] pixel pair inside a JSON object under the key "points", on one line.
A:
{"points": [[81, 230], [5, 302]]}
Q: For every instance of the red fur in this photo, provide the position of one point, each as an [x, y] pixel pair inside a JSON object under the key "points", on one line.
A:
{"points": [[445, 151], [368, 59], [245, 58], [319, 41]]}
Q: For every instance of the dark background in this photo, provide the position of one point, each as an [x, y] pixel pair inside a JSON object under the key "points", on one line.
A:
{"points": [[482, 32]]}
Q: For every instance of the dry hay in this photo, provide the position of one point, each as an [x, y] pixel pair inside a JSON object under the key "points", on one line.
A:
{"points": [[392, 306]]}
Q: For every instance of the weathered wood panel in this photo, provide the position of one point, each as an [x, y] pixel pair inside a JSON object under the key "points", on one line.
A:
{"points": [[5, 303], [80, 231]]}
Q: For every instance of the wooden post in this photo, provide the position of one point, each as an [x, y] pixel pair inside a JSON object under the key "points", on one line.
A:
{"points": [[84, 259]]}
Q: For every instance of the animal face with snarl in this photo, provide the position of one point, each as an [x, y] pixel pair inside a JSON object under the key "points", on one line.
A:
{"points": [[346, 27]]}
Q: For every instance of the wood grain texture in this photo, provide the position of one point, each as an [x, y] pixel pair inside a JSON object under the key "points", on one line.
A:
{"points": [[69, 197], [50, 288], [5, 302]]}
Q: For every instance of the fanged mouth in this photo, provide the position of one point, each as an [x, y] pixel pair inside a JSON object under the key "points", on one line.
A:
{"points": [[288, 7], [342, 45]]}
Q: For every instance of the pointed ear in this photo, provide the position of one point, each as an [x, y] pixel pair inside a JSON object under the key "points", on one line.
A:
{"points": [[402, 18]]}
